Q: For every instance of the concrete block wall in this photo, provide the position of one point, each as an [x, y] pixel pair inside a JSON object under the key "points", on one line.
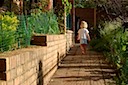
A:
{"points": [[34, 65]]}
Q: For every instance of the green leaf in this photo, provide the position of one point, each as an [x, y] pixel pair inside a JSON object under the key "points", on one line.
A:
{"points": [[124, 48]]}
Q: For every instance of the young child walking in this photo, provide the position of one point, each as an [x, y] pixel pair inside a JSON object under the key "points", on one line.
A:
{"points": [[83, 36]]}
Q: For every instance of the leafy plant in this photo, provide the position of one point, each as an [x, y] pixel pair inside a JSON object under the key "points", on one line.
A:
{"points": [[115, 41], [59, 11], [46, 23], [68, 6], [9, 23], [85, 4], [23, 33]]}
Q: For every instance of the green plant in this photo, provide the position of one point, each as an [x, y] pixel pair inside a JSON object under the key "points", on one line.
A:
{"points": [[46, 23], [99, 45], [68, 6], [115, 41], [59, 11], [85, 4], [23, 33], [9, 24]]}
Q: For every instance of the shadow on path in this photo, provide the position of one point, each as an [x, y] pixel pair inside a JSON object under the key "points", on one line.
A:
{"points": [[78, 69]]}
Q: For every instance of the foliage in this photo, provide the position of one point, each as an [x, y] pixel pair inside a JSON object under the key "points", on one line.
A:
{"points": [[9, 24], [59, 11], [113, 8], [114, 44], [46, 23], [16, 32], [68, 6], [47, 20], [43, 3], [23, 33], [109, 27], [85, 4], [40, 5], [99, 45]]}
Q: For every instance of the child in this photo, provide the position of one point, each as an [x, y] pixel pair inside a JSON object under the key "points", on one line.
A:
{"points": [[83, 36]]}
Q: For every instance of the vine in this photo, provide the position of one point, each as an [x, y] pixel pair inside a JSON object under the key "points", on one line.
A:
{"points": [[68, 6]]}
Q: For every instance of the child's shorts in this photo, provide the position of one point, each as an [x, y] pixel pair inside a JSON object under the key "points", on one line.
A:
{"points": [[83, 41]]}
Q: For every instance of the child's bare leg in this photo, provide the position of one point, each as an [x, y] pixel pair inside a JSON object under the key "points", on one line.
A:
{"points": [[84, 45], [82, 48]]}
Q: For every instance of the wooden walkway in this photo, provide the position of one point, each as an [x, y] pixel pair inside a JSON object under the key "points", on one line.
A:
{"points": [[79, 69]]}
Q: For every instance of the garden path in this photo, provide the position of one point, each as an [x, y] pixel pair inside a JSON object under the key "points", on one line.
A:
{"points": [[79, 69]]}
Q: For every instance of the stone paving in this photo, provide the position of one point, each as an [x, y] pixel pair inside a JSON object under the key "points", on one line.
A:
{"points": [[79, 69]]}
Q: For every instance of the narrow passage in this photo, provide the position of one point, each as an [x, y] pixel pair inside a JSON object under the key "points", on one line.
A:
{"points": [[79, 69]]}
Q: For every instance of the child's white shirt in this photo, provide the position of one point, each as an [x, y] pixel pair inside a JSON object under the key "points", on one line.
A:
{"points": [[82, 33]]}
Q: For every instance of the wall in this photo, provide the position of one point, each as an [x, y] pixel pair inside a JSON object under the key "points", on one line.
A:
{"points": [[34, 65]]}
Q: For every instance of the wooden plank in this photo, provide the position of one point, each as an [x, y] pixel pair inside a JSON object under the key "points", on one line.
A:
{"points": [[2, 76], [38, 40], [2, 65]]}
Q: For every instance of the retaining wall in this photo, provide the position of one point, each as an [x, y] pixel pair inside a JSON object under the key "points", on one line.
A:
{"points": [[34, 65]]}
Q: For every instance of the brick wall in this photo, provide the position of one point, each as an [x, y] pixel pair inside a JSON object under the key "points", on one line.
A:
{"points": [[34, 65]]}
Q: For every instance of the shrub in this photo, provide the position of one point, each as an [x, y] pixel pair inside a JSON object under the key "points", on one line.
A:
{"points": [[9, 23], [44, 23], [114, 44]]}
